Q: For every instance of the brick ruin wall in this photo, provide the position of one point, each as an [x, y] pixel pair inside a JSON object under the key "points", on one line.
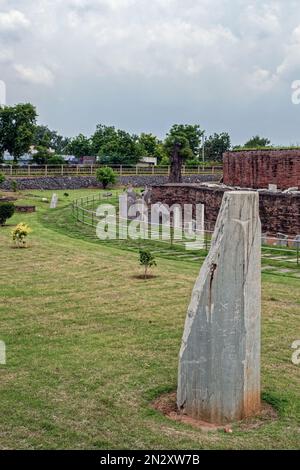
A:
{"points": [[259, 168], [279, 212]]}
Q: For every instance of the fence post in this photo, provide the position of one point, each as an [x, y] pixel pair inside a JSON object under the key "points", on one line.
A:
{"points": [[77, 169], [46, 170], [92, 170], [121, 168], [136, 170], [62, 170], [169, 169], [28, 170], [153, 170], [213, 169]]}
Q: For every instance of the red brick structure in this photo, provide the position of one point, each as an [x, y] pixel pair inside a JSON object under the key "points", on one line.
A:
{"points": [[279, 212], [259, 168], [26, 209]]}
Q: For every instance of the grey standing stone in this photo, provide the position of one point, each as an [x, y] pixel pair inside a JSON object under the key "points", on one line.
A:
{"points": [[54, 201], [296, 242], [282, 239], [219, 363]]}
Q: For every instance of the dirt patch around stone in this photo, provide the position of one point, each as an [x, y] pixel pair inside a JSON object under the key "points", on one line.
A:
{"points": [[166, 404], [142, 276]]}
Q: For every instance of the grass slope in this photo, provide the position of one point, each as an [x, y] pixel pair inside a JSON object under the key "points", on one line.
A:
{"points": [[89, 346]]}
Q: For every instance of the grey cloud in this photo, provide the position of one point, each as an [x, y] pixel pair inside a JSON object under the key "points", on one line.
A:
{"points": [[145, 65]]}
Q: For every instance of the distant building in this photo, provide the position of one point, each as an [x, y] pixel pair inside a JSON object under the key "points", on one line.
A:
{"points": [[147, 161], [87, 160]]}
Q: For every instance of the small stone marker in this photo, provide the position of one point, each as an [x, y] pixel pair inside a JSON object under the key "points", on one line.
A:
{"points": [[219, 362], [54, 201], [296, 242], [282, 239], [273, 187]]}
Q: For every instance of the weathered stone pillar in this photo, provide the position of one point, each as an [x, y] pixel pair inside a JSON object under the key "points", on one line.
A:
{"points": [[219, 364]]}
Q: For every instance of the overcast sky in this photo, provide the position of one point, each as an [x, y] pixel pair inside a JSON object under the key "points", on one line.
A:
{"points": [[143, 65]]}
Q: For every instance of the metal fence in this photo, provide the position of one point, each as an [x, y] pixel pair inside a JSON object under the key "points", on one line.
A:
{"points": [[276, 249], [31, 171]]}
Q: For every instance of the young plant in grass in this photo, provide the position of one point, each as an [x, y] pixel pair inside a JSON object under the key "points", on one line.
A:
{"points": [[20, 234], [106, 176], [147, 260], [7, 210]]}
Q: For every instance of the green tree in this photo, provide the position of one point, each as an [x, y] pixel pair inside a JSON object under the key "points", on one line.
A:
{"points": [[2, 178], [177, 147], [102, 136], [151, 146], [106, 176], [192, 133], [80, 146], [7, 210], [17, 127], [115, 146], [41, 155], [147, 260], [216, 145], [45, 137], [56, 160], [257, 141]]}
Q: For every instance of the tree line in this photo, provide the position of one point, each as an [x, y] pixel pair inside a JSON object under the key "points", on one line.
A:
{"points": [[19, 131]]}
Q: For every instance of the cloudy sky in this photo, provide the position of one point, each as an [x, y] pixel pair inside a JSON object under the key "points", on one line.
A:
{"points": [[143, 65]]}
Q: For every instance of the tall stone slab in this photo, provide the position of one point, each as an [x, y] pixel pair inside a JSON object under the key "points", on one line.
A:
{"points": [[219, 363]]}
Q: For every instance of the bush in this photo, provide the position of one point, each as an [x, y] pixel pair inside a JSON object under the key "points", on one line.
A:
{"points": [[2, 178], [20, 234], [14, 186], [147, 260], [106, 176], [56, 160], [7, 210]]}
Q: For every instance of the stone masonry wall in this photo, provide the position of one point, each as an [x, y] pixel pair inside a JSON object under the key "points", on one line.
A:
{"points": [[259, 168], [279, 212], [81, 182]]}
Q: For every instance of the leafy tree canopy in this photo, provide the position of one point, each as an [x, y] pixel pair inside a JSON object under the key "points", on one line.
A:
{"points": [[115, 146], [257, 141], [151, 146], [45, 137], [216, 145], [187, 132], [17, 128], [80, 146]]}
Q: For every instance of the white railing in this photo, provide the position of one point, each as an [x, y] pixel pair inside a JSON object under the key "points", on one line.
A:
{"points": [[31, 171]]}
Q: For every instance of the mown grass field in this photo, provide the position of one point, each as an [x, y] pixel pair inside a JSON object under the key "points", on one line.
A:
{"points": [[89, 346]]}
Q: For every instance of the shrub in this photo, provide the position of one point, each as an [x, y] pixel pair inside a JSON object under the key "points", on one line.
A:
{"points": [[106, 176], [14, 186], [56, 160], [2, 178], [20, 233], [147, 260], [7, 210]]}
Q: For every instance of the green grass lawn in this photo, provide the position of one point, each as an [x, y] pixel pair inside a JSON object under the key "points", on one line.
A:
{"points": [[89, 347]]}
